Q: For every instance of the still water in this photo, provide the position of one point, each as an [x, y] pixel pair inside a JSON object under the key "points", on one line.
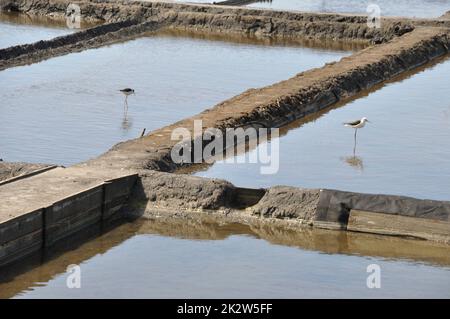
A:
{"points": [[405, 8], [194, 259], [69, 108], [404, 151], [18, 29]]}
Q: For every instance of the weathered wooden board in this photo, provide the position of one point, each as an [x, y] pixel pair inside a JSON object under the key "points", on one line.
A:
{"points": [[389, 224]]}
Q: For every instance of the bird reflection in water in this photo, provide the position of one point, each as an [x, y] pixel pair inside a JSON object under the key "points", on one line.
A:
{"points": [[355, 162], [126, 122]]}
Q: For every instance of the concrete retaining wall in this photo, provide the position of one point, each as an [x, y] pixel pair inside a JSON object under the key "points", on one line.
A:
{"points": [[42, 228]]}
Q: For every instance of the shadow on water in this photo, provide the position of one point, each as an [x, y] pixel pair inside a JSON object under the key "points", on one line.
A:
{"points": [[40, 269]]}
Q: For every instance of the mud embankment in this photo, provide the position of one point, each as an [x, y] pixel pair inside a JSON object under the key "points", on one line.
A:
{"points": [[272, 106], [125, 20], [167, 191], [223, 19], [168, 195], [445, 16], [281, 103], [275, 106], [87, 39]]}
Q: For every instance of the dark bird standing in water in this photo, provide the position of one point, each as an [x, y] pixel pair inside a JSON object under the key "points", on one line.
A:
{"points": [[125, 122], [127, 91]]}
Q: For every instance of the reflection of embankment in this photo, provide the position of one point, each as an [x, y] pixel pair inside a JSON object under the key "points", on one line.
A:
{"points": [[41, 268], [314, 43], [39, 20], [203, 227], [200, 227]]}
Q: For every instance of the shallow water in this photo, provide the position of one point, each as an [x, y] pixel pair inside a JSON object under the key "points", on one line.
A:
{"points": [[151, 259], [18, 29], [404, 8], [69, 108], [405, 150]]}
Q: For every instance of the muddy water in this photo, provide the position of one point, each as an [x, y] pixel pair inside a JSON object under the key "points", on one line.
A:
{"points": [[407, 8], [179, 259], [405, 150], [18, 29], [69, 109]]}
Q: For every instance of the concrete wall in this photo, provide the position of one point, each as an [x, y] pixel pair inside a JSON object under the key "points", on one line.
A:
{"points": [[47, 226]]}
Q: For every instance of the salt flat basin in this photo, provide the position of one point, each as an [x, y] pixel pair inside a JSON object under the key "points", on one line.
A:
{"points": [[403, 8], [404, 151], [69, 108], [18, 29], [186, 259]]}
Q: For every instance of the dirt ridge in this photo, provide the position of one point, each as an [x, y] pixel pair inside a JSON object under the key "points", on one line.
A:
{"points": [[283, 102]]}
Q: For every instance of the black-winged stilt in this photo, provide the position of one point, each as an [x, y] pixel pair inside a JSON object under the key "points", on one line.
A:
{"points": [[357, 125], [127, 91]]}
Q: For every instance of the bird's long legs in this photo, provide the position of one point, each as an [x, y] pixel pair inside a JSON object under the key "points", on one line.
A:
{"points": [[354, 146], [125, 106]]}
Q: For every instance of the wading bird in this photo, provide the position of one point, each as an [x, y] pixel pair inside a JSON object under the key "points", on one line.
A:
{"points": [[127, 91], [356, 125]]}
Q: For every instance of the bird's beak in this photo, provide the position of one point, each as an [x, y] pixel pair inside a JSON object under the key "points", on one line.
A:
{"points": [[368, 121]]}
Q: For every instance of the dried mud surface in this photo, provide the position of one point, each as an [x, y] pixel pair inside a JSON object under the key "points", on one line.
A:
{"points": [[14, 169]]}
